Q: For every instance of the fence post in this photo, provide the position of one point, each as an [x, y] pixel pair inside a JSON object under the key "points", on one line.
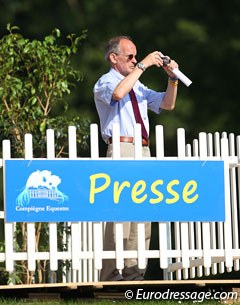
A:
{"points": [[75, 227], [119, 251], [8, 227], [164, 228], [220, 229], [233, 188], [198, 229], [31, 241], [227, 224], [141, 252], [192, 232], [97, 227], [205, 225], [213, 232], [52, 226], [183, 225]]}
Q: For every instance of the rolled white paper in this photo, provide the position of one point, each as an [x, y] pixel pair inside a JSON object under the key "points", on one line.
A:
{"points": [[183, 78]]}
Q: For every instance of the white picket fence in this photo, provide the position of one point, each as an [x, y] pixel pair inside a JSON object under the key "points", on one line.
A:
{"points": [[186, 250]]}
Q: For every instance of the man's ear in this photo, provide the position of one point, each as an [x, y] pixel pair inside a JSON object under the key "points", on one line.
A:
{"points": [[113, 58]]}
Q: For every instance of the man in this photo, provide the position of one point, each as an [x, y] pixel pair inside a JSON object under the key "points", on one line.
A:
{"points": [[115, 99]]}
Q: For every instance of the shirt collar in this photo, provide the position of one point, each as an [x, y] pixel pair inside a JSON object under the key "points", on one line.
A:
{"points": [[116, 74]]}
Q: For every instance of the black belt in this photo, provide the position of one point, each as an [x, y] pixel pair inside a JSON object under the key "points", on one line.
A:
{"points": [[129, 140]]}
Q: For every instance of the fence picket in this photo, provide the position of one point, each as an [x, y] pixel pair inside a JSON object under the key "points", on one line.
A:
{"points": [[52, 226], [94, 152], [220, 241], [205, 225], [212, 224], [191, 225], [31, 243], [238, 184], [165, 239], [184, 242], [228, 220], [8, 227], [233, 188]]}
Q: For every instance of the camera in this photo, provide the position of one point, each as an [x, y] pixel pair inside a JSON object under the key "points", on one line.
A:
{"points": [[176, 71], [166, 60]]}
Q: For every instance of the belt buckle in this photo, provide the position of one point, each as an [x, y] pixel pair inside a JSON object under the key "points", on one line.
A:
{"points": [[146, 141]]}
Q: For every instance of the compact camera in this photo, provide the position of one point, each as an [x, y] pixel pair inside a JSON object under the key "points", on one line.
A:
{"points": [[166, 60], [176, 71]]}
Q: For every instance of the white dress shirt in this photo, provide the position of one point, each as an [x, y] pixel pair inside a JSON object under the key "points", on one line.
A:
{"points": [[121, 112]]}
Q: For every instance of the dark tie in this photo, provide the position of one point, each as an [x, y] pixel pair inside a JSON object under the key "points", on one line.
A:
{"points": [[137, 114]]}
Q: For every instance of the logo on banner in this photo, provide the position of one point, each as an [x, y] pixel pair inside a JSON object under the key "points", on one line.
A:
{"points": [[41, 185]]}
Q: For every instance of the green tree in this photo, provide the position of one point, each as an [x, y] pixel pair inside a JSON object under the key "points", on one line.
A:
{"points": [[35, 77]]}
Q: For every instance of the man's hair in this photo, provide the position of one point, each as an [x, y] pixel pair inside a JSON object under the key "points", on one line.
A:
{"points": [[113, 45]]}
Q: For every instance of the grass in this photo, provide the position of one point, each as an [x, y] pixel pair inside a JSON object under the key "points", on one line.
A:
{"points": [[98, 302], [139, 296]]}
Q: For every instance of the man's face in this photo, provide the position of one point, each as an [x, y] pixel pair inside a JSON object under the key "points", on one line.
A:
{"points": [[125, 60]]}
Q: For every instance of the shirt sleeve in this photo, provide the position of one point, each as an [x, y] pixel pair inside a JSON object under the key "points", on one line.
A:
{"points": [[103, 92], [154, 99]]}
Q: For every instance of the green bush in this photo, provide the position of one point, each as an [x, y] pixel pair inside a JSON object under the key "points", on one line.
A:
{"points": [[35, 77]]}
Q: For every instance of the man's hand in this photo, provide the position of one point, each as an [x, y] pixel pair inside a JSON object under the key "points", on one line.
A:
{"points": [[169, 67], [155, 59]]}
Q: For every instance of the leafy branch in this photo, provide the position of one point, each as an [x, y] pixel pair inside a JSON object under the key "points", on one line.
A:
{"points": [[35, 76]]}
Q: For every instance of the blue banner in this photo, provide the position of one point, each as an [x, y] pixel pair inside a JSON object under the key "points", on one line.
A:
{"points": [[113, 190]]}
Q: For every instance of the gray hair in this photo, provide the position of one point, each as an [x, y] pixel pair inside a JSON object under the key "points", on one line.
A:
{"points": [[113, 45]]}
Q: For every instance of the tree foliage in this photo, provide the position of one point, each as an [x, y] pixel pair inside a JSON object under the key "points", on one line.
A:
{"points": [[35, 76]]}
